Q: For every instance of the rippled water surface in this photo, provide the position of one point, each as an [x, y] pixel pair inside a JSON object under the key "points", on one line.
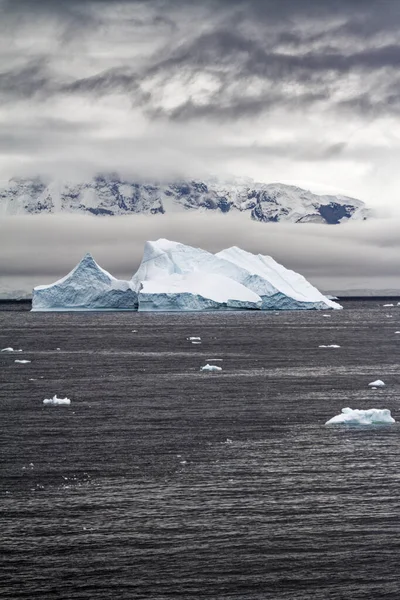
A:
{"points": [[161, 482]]}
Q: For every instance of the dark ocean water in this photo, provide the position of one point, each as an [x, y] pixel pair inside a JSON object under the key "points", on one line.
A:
{"points": [[161, 482]]}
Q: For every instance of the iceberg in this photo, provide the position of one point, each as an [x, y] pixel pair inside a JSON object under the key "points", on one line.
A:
{"points": [[176, 277], [9, 349], [279, 288], [377, 383], [372, 416], [329, 346], [54, 401], [22, 362], [86, 287], [211, 368]]}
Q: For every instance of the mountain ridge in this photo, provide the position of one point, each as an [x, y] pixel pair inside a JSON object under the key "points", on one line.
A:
{"points": [[110, 195]]}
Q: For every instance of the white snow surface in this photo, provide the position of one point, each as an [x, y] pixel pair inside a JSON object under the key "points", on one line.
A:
{"points": [[372, 416], [377, 383], [56, 401]]}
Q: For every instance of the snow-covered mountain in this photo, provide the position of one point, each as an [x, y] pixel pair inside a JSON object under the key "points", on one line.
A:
{"points": [[111, 195]]}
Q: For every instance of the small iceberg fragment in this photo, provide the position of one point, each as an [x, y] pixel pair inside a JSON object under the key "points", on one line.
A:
{"points": [[388, 305], [211, 368], [22, 362], [372, 416], [397, 331], [9, 349], [377, 383], [196, 342], [194, 339], [330, 346], [56, 401]]}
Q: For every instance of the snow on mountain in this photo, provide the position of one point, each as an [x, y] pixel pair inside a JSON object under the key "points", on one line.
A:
{"points": [[86, 287], [278, 287], [111, 195], [173, 276]]}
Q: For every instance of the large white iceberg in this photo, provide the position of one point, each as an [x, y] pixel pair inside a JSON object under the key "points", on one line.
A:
{"points": [[372, 416], [279, 288], [86, 287], [176, 277]]}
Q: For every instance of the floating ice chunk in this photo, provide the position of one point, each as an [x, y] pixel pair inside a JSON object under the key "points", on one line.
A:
{"points": [[387, 305], [377, 383], [196, 342], [211, 368], [56, 401], [194, 339], [372, 416], [9, 349], [330, 346], [327, 316], [22, 362], [397, 331]]}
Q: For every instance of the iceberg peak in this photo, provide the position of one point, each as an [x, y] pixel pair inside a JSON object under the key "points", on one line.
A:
{"points": [[87, 287]]}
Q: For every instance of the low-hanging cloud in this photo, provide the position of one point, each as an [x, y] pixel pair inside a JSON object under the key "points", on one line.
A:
{"points": [[337, 258]]}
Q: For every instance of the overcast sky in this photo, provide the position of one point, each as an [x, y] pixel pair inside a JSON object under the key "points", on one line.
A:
{"points": [[300, 91], [278, 90]]}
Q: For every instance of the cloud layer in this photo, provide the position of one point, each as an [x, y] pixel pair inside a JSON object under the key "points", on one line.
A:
{"points": [[273, 89]]}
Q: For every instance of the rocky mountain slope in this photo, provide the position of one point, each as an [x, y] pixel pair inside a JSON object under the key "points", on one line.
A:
{"points": [[111, 195]]}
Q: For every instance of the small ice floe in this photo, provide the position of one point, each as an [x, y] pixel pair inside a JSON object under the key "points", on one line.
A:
{"points": [[228, 441], [212, 368], [22, 362], [388, 305], [196, 342], [397, 331], [9, 349], [58, 348], [56, 401], [372, 416], [330, 346], [327, 316], [194, 339], [376, 384], [134, 330]]}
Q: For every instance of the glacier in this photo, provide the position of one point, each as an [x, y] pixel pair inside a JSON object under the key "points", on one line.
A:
{"points": [[372, 416], [174, 276], [86, 287]]}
